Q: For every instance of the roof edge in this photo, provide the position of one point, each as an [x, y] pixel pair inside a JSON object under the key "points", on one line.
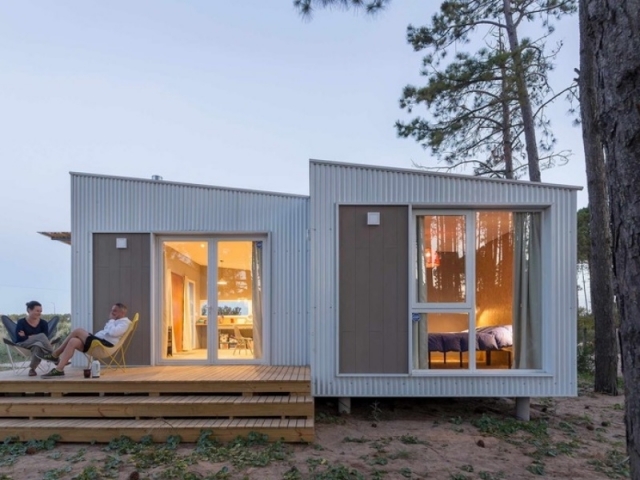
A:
{"points": [[186, 184], [440, 174]]}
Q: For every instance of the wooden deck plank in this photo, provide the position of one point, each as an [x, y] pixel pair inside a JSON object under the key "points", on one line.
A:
{"points": [[108, 387], [188, 399], [174, 373]]}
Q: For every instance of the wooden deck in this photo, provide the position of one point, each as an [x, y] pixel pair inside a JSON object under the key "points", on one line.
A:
{"points": [[160, 401]]}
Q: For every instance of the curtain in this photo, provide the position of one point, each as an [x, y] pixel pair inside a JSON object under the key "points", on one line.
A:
{"points": [[418, 320], [527, 295], [167, 316], [189, 334], [256, 297]]}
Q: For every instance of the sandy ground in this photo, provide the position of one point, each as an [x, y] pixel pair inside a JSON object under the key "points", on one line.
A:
{"points": [[455, 439]]}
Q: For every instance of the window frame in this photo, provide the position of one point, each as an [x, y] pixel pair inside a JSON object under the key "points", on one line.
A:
{"points": [[469, 306], [213, 239]]}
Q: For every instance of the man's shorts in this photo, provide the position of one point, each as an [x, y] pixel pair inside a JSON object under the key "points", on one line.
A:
{"points": [[91, 338]]}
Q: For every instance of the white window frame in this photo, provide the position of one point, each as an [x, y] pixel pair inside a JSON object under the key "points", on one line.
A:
{"points": [[212, 240], [466, 307]]}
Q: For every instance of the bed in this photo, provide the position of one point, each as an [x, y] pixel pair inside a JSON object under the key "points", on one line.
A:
{"points": [[488, 339]]}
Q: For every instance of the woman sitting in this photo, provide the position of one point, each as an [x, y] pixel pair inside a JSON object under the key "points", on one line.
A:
{"points": [[32, 332]]}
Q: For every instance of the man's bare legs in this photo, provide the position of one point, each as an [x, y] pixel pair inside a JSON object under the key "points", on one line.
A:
{"points": [[79, 333], [75, 341]]}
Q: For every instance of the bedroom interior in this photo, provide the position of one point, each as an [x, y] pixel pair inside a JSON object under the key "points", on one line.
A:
{"points": [[507, 262]]}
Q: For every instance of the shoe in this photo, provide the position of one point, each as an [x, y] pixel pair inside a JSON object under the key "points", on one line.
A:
{"points": [[49, 358], [32, 372], [53, 373]]}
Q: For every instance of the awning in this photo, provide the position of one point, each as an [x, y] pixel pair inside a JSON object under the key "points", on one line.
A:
{"points": [[64, 237]]}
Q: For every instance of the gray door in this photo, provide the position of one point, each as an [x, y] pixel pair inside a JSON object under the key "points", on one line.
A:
{"points": [[374, 310], [124, 275]]}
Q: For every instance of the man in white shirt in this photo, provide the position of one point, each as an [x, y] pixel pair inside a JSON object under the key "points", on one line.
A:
{"points": [[80, 340]]}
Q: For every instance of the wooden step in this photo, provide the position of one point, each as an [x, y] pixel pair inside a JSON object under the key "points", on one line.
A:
{"points": [[104, 385], [152, 407], [103, 431], [160, 401]]}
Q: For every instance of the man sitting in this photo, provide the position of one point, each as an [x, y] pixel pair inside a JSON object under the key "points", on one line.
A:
{"points": [[81, 340]]}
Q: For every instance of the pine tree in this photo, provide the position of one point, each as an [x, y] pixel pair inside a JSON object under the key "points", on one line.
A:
{"points": [[515, 84], [489, 102], [474, 114]]}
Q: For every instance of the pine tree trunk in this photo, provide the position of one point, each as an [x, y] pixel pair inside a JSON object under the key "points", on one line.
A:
{"points": [[600, 260], [615, 26], [523, 96], [507, 149]]}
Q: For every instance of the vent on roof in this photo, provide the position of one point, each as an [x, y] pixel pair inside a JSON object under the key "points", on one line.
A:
{"points": [[156, 177]]}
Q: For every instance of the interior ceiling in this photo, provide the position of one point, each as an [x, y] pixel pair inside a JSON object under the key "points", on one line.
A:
{"points": [[230, 254]]}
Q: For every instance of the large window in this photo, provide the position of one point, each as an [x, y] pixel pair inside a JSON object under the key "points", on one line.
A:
{"points": [[478, 291], [212, 310]]}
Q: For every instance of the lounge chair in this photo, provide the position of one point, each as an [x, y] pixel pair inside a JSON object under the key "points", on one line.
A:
{"points": [[19, 357], [113, 357]]}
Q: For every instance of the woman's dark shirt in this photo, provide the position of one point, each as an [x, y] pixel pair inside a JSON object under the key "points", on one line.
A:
{"points": [[23, 326]]}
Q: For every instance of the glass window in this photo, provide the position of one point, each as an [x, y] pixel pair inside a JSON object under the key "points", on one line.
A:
{"points": [[494, 289], [192, 329], [442, 341], [505, 310], [441, 241], [184, 333], [239, 289]]}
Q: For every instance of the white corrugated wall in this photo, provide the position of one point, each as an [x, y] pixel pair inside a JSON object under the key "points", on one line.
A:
{"points": [[333, 184], [112, 204]]}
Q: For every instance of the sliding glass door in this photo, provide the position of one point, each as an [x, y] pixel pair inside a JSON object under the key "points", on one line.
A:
{"points": [[212, 295], [239, 317]]}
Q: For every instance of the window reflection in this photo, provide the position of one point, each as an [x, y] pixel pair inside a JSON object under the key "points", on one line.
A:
{"points": [[441, 249]]}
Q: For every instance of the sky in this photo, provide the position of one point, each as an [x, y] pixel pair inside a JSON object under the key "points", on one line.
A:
{"points": [[235, 94]]}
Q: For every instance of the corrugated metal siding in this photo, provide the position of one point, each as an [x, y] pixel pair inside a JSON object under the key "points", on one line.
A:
{"points": [[108, 204], [333, 184]]}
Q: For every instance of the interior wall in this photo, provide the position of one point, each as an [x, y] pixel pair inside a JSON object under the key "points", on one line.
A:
{"points": [[447, 322], [242, 290], [201, 286], [494, 282], [192, 270]]}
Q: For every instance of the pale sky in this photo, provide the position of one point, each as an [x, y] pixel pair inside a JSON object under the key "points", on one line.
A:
{"points": [[237, 94]]}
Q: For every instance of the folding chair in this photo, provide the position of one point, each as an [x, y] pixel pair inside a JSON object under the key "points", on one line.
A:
{"points": [[242, 343], [20, 357], [113, 357]]}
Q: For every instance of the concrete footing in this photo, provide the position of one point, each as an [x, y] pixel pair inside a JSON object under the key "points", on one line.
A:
{"points": [[344, 405], [523, 408]]}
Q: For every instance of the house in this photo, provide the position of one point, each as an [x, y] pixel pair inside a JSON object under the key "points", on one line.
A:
{"points": [[385, 281]]}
